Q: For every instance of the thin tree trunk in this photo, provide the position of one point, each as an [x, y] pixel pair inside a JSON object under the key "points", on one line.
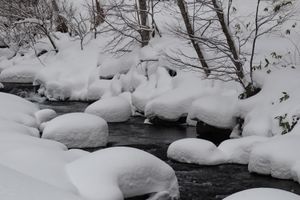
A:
{"points": [[144, 32], [190, 31], [236, 59]]}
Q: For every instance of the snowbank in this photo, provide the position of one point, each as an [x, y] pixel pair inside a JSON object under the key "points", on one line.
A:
{"points": [[15, 186], [276, 157], [262, 194], [111, 109], [215, 110], [77, 130], [196, 151], [122, 172]]}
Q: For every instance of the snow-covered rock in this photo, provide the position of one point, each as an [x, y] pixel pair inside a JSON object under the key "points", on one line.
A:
{"points": [[44, 115], [215, 110], [19, 74], [122, 172], [112, 109], [44, 164], [238, 150], [11, 127], [77, 130], [276, 157], [196, 151], [15, 186], [262, 194]]}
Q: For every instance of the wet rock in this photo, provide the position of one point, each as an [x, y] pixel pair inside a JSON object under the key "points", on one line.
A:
{"points": [[211, 133], [163, 122]]}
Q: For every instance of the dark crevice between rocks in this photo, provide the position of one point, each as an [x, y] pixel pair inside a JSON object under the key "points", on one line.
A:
{"points": [[212, 133]]}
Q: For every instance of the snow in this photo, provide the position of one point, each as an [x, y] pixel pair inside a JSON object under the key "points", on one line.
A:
{"points": [[18, 74], [44, 115], [11, 127], [196, 151], [15, 185], [122, 172], [175, 103], [238, 150], [276, 157], [216, 110], [262, 194], [111, 109], [77, 130]]}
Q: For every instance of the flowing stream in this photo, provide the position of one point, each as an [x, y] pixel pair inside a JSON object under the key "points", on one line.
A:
{"points": [[196, 182]]}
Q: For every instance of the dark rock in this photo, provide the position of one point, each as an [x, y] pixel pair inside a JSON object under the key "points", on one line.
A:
{"points": [[211, 133], [164, 122]]}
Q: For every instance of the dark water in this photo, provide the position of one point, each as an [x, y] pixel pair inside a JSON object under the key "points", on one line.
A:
{"points": [[196, 182]]}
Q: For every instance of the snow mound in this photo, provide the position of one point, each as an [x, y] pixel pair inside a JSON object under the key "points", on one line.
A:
{"points": [[11, 127], [262, 194], [196, 151], [44, 115], [158, 83], [112, 109], [19, 74], [77, 130], [122, 172], [215, 110], [276, 157], [15, 186], [238, 150], [44, 164]]}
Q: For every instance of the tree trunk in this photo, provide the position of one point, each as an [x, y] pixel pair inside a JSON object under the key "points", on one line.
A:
{"points": [[236, 59], [191, 34], [144, 27]]}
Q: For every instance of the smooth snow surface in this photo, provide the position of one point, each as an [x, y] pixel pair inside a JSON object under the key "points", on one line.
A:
{"points": [[263, 194], [196, 151], [15, 186], [111, 109], [215, 110], [120, 172], [77, 130]]}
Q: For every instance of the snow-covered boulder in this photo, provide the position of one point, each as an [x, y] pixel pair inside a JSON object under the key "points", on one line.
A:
{"points": [[44, 164], [11, 127], [97, 89], [276, 157], [263, 194], [196, 151], [19, 74], [77, 130], [121, 172], [113, 109], [216, 110], [44, 115], [158, 83], [16, 185], [238, 150]]}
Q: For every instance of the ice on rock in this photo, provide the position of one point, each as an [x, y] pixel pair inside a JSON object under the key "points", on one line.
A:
{"points": [[196, 151], [77, 130], [215, 110], [122, 172], [111, 109], [15, 186], [263, 194]]}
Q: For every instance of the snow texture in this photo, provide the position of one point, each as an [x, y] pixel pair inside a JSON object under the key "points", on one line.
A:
{"points": [[77, 130], [196, 151], [121, 172], [111, 109], [262, 194]]}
